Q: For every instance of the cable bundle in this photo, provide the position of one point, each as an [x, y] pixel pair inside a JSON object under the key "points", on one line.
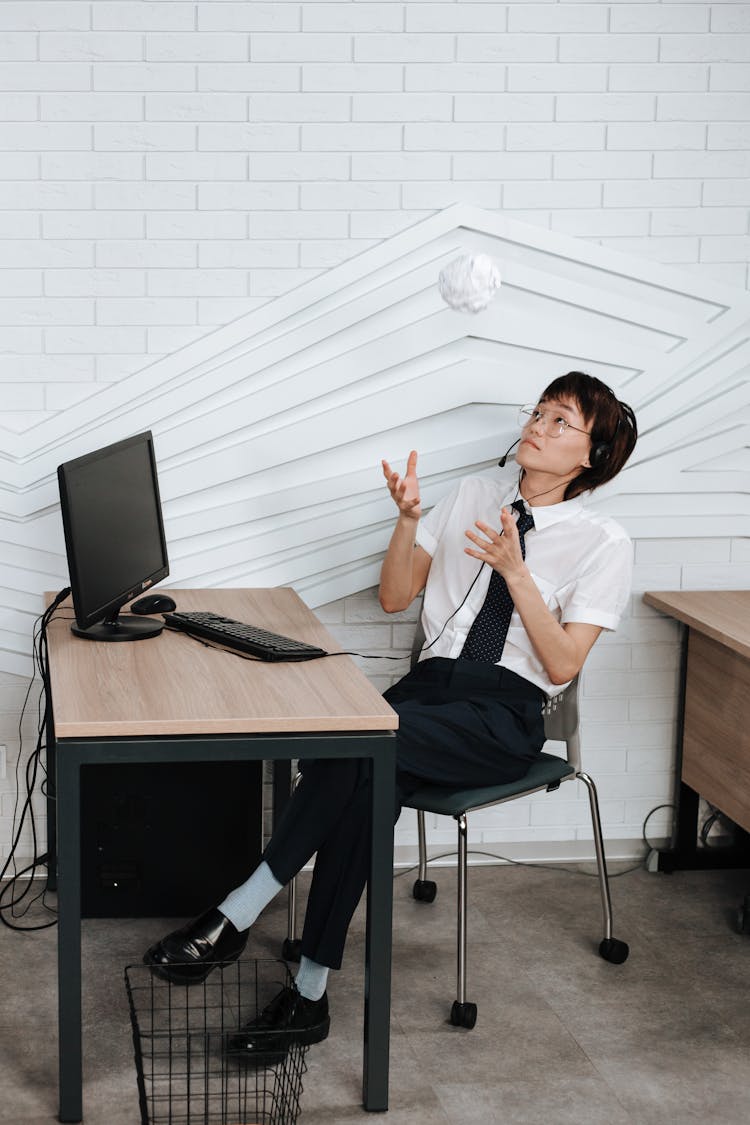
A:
{"points": [[14, 892]]}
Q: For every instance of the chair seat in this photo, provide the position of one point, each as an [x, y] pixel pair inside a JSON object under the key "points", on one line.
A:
{"points": [[546, 770]]}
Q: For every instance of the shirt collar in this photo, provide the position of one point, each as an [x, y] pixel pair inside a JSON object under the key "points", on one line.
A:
{"points": [[546, 516]]}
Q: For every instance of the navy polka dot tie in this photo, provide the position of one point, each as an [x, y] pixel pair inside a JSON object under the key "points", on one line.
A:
{"points": [[487, 635]]}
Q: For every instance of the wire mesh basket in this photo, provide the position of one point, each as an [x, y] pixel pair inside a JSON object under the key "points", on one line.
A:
{"points": [[186, 1069]]}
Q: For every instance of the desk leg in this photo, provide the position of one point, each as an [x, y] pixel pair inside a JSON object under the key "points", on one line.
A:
{"points": [[69, 936], [51, 807], [686, 855], [379, 933]]}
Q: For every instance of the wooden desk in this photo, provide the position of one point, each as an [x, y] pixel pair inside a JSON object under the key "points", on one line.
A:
{"points": [[170, 699], [715, 715]]}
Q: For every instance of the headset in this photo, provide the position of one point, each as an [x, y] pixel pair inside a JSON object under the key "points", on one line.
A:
{"points": [[600, 452]]}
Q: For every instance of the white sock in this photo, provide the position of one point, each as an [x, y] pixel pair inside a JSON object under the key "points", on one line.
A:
{"points": [[311, 979], [243, 905]]}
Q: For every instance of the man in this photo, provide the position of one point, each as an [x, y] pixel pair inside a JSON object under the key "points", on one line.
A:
{"points": [[519, 580]]}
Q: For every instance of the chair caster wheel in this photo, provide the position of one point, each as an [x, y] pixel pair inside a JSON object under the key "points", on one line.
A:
{"points": [[463, 1015], [424, 890], [291, 950], [614, 951]]}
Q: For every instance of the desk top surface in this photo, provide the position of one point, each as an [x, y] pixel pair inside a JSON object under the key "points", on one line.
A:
{"points": [[173, 685], [723, 615]]}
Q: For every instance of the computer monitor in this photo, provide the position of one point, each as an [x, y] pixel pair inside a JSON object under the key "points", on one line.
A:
{"points": [[114, 537]]}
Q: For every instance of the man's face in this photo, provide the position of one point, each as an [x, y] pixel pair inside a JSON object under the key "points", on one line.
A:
{"points": [[555, 440]]}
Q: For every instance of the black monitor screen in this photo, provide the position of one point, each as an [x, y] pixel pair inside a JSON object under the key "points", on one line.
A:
{"points": [[114, 535]]}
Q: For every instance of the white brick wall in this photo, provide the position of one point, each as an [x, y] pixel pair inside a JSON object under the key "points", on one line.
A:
{"points": [[165, 167], [622, 123]]}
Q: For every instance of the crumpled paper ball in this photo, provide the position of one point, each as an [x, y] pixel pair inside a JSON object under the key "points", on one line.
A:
{"points": [[470, 282]]}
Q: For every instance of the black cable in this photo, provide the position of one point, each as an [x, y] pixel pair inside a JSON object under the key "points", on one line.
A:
{"points": [[33, 766], [645, 839], [548, 866], [493, 855], [461, 604], [11, 905], [526, 863], [34, 763], [708, 823], [428, 645], [259, 659]]}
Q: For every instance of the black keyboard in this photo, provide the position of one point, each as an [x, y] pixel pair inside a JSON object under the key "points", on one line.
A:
{"points": [[241, 637]]}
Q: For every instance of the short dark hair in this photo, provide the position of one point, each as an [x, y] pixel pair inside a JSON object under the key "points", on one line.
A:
{"points": [[613, 427]]}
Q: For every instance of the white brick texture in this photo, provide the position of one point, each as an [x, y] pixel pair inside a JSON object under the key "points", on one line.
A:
{"points": [[165, 167]]}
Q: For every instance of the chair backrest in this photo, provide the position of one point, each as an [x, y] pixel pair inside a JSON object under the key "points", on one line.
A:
{"points": [[561, 720], [560, 711]]}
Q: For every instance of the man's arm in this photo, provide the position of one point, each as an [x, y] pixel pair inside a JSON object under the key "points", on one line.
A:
{"points": [[406, 565], [562, 649]]}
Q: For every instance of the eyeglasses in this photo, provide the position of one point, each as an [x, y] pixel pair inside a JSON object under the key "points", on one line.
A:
{"points": [[554, 424]]}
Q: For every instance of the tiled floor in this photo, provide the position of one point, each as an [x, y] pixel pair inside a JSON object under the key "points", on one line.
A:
{"points": [[562, 1038]]}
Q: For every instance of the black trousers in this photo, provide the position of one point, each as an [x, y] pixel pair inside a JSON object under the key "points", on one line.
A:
{"points": [[461, 724]]}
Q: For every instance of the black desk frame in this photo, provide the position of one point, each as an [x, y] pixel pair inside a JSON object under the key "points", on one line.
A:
{"points": [[72, 753]]}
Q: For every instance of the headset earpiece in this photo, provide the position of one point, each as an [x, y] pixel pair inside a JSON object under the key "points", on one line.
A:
{"points": [[599, 453]]}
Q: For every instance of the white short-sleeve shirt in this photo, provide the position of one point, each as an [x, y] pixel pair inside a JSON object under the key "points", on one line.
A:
{"points": [[580, 560]]}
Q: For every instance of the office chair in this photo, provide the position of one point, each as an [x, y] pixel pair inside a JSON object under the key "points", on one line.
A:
{"points": [[548, 772]]}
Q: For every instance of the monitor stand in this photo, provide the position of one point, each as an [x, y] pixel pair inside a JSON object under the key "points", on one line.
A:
{"points": [[116, 628]]}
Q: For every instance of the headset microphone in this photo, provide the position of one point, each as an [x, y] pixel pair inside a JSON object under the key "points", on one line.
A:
{"points": [[505, 455]]}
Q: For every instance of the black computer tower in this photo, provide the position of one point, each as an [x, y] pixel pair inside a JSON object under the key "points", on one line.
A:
{"points": [[167, 840]]}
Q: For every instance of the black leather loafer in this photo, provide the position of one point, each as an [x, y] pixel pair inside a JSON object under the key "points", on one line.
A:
{"points": [[189, 954], [289, 1018]]}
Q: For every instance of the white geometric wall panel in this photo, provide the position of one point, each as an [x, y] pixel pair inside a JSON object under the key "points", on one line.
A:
{"points": [[269, 432]]}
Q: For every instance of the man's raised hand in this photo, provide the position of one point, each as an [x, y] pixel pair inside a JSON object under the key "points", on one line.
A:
{"points": [[405, 490]]}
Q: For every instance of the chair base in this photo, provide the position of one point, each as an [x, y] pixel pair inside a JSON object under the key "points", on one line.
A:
{"points": [[424, 890], [463, 1015], [614, 951], [291, 950]]}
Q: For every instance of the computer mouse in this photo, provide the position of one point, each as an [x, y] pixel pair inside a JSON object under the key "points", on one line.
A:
{"points": [[153, 603]]}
